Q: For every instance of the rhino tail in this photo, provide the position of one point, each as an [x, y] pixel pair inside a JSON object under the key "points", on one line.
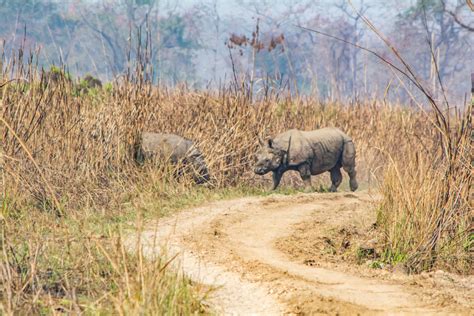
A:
{"points": [[348, 154], [348, 163]]}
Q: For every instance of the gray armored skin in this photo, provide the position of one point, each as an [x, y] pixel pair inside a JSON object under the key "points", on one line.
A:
{"points": [[175, 149], [310, 153]]}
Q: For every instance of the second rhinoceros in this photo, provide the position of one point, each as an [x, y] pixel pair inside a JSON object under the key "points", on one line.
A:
{"points": [[310, 153], [174, 149]]}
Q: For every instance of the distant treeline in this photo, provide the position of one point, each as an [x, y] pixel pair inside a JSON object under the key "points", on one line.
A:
{"points": [[200, 45]]}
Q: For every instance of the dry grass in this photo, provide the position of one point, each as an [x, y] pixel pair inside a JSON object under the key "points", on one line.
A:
{"points": [[426, 214], [69, 184]]}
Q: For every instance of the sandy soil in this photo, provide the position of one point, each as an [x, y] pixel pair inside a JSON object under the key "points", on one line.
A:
{"points": [[298, 255]]}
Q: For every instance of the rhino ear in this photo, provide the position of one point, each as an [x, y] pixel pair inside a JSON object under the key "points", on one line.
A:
{"points": [[270, 143]]}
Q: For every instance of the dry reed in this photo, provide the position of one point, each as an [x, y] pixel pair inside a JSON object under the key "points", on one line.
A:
{"points": [[61, 235]]}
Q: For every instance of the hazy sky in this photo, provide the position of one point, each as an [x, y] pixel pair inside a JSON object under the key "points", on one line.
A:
{"points": [[380, 12]]}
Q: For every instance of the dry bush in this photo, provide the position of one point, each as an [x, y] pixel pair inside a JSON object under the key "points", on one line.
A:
{"points": [[426, 213]]}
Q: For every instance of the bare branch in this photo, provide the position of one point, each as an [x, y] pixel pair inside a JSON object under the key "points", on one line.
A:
{"points": [[386, 61], [456, 18], [108, 40]]}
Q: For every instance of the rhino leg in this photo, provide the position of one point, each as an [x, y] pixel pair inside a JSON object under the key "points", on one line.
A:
{"points": [[138, 154], [276, 178], [336, 178], [352, 181], [348, 163], [305, 173]]}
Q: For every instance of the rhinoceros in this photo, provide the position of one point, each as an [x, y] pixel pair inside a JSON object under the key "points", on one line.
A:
{"points": [[310, 153], [175, 149]]}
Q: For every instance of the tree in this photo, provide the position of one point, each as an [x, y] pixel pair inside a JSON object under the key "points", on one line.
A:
{"points": [[444, 43], [456, 11], [352, 30], [118, 28], [33, 21]]}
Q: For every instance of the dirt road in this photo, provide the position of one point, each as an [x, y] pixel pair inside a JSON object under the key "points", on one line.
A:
{"points": [[296, 254]]}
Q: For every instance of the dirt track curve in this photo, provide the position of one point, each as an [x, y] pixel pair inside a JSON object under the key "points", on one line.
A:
{"points": [[257, 254]]}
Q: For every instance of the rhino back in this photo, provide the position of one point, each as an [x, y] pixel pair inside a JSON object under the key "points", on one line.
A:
{"points": [[165, 146], [328, 137], [300, 148], [321, 148], [327, 144]]}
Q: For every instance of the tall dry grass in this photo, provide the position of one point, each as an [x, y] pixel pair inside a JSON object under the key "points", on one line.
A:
{"points": [[69, 184], [426, 213]]}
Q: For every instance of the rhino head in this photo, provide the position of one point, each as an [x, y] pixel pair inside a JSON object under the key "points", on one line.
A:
{"points": [[195, 163], [270, 158], [201, 173]]}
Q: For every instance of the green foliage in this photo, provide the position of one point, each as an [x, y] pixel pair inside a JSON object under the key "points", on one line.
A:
{"points": [[60, 22], [91, 86], [55, 69], [50, 25], [393, 258], [33, 14], [58, 72], [27, 7], [144, 2], [428, 6], [376, 264], [173, 32], [56, 21], [108, 87]]}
